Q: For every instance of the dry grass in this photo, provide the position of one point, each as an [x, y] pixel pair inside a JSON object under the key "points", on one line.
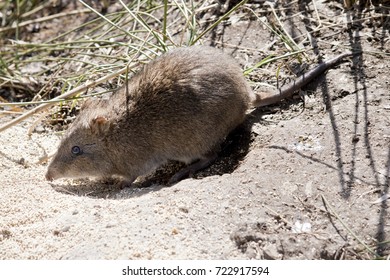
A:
{"points": [[103, 44]]}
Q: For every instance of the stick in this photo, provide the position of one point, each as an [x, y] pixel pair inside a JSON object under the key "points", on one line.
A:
{"points": [[65, 95]]}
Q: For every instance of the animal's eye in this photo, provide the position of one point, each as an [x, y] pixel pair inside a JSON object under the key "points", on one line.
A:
{"points": [[76, 150]]}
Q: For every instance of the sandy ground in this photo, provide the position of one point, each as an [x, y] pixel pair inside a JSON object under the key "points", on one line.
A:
{"points": [[297, 181], [253, 212]]}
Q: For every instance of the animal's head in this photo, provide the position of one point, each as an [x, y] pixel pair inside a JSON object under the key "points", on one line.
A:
{"points": [[82, 151]]}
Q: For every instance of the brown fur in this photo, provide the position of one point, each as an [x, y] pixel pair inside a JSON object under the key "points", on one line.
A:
{"points": [[179, 107]]}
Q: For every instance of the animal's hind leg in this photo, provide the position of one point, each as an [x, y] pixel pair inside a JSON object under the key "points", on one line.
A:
{"points": [[194, 167]]}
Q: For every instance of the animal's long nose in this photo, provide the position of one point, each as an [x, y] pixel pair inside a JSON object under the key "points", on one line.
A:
{"points": [[49, 176]]}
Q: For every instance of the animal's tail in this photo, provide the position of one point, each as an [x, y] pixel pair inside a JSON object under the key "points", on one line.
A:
{"points": [[267, 98]]}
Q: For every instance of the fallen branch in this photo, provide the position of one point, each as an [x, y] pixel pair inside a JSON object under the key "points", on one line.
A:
{"points": [[68, 94]]}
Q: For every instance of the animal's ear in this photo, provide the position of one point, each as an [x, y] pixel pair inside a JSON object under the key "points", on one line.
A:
{"points": [[99, 125]]}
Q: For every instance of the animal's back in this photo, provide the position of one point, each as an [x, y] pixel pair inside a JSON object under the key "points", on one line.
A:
{"points": [[178, 107], [186, 102]]}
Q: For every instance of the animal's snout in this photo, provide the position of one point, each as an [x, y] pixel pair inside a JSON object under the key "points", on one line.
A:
{"points": [[49, 176]]}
